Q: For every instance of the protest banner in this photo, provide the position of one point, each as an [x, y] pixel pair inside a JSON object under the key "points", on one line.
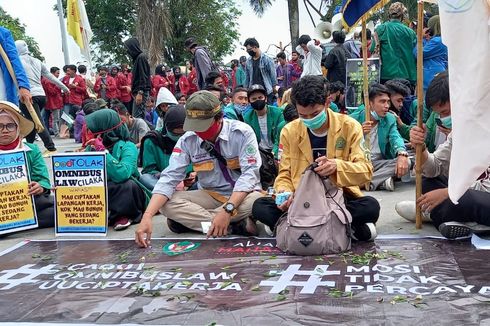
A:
{"points": [[81, 193], [244, 281], [17, 210], [355, 80]]}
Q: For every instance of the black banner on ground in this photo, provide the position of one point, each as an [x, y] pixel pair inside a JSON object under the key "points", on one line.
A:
{"points": [[244, 282]]}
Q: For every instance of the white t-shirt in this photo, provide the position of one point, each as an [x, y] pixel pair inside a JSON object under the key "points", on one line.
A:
{"points": [[440, 138], [71, 80], [265, 142], [375, 150], [3, 90]]}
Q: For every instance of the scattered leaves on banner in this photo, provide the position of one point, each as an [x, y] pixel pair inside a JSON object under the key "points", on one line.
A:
{"points": [[244, 280], [398, 299], [225, 284], [123, 257], [176, 269], [187, 283], [256, 288]]}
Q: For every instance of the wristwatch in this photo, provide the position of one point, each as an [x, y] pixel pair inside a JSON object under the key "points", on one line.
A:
{"points": [[230, 209], [402, 153]]}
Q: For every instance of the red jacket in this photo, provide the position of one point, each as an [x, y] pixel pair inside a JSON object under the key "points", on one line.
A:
{"points": [[184, 85], [158, 82], [78, 90], [111, 88], [171, 79], [122, 82], [54, 98], [226, 80], [233, 79], [192, 79]]}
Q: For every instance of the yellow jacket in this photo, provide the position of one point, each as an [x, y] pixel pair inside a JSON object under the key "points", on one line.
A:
{"points": [[345, 144]]}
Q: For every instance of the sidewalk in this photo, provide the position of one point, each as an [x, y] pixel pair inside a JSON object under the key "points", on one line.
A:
{"points": [[389, 222]]}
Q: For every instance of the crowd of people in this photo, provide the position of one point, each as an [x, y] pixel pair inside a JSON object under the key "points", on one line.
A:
{"points": [[211, 147]]}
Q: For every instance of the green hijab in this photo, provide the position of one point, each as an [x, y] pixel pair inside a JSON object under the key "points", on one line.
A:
{"points": [[108, 125], [434, 24]]}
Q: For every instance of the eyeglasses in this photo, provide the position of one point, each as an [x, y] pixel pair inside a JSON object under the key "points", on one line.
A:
{"points": [[9, 126]]}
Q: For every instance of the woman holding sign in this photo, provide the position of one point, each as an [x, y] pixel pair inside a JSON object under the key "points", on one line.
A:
{"points": [[13, 128], [127, 198]]}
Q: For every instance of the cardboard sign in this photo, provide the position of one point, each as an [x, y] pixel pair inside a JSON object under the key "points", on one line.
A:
{"points": [[81, 194], [17, 210], [355, 80]]}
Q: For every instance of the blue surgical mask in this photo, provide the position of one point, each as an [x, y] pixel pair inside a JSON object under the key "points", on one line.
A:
{"points": [[241, 108], [447, 122], [375, 115], [316, 122], [174, 137]]}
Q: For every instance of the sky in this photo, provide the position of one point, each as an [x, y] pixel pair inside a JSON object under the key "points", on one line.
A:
{"points": [[42, 23]]}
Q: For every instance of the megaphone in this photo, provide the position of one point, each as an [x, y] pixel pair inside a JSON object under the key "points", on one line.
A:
{"points": [[324, 30]]}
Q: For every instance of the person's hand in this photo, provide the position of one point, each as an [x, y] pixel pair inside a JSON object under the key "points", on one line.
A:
{"points": [[219, 225], [25, 95], [444, 130], [35, 189], [72, 86], [96, 144], [326, 167], [317, 42], [432, 199], [143, 232], [189, 181], [280, 78], [367, 126], [138, 99], [128, 88], [402, 164], [417, 135], [399, 121], [285, 206]]}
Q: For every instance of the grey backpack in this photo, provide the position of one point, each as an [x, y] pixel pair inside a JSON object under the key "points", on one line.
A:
{"points": [[317, 222]]}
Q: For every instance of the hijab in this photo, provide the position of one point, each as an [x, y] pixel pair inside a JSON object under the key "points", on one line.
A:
{"points": [[17, 143], [108, 125]]}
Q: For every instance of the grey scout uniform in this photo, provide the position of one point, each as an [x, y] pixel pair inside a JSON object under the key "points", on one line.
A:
{"points": [[237, 144]]}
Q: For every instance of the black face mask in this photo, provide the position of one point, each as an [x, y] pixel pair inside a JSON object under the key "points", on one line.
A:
{"points": [[258, 105], [251, 53]]}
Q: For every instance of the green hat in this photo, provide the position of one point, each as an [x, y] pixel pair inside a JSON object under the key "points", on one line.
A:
{"points": [[200, 110]]}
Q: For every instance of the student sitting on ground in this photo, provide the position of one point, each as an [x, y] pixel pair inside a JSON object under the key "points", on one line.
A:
{"points": [[238, 106], [137, 127], [335, 142], [388, 153], [157, 146], [225, 155], [164, 100], [267, 121], [13, 128], [471, 213], [127, 198]]}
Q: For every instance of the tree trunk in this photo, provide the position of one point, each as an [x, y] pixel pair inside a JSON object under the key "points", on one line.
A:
{"points": [[293, 9]]}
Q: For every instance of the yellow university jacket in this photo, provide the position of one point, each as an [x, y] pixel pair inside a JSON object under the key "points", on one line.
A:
{"points": [[345, 144]]}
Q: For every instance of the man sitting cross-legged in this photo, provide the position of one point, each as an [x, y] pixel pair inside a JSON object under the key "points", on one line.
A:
{"points": [[225, 155], [336, 143]]}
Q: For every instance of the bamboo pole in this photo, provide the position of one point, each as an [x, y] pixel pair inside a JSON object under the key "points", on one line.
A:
{"points": [[420, 105], [365, 87]]}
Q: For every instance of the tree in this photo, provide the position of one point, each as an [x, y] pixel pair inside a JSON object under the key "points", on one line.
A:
{"points": [[18, 31], [162, 27]]}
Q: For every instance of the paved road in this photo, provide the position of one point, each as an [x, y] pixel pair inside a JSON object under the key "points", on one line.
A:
{"points": [[389, 222]]}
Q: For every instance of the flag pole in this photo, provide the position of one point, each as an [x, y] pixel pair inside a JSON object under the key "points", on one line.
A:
{"points": [[420, 105], [365, 88], [64, 42]]}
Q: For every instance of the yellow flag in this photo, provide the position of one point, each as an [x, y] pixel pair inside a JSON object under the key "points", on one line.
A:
{"points": [[73, 22]]}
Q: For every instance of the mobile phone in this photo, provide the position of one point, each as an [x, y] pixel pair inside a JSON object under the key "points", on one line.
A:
{"points": [[438, 122]]}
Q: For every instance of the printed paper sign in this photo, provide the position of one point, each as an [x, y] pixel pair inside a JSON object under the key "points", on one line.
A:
{"points": [[17, 210], [355, 80], [81, 194]]}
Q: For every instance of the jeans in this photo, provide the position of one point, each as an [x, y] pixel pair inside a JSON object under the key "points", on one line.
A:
{"points": [[473, 206], [56, 119], [363, 210], [38, 103], [139, 110], [149, 180]]}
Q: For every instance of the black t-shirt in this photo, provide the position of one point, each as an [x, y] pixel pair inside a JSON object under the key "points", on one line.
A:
{"points": [[256, 73], [318, 145]]}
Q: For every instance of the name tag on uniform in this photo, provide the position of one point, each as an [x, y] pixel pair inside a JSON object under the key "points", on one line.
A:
{"points": [[203, 166]]}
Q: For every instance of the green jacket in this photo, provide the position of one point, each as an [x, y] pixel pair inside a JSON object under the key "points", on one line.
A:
{"points": [[430, 140], [241, 77], [229, 112], [405, 129], [122, 162], [38, 171], [275, 123], [155, 160], [334, 107], [389, 139], [396, 47]]}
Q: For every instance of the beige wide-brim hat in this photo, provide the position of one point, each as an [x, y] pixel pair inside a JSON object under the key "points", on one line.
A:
{"points": [[25, 125]]}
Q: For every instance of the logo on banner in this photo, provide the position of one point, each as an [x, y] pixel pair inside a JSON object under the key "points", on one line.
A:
{"points": [[455, 6], [178, 248]]}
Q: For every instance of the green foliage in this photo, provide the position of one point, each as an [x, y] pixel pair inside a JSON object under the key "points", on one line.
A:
{"points": [[18, 31], [212, 22]]}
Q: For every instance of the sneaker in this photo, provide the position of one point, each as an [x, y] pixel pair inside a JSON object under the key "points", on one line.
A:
{"points": [[453, 230], [122, 223], [268, 230], [407, 210], [47, 153], [389, 184], [177, 227], [245, 227], [477, 228], [364, 232]]}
